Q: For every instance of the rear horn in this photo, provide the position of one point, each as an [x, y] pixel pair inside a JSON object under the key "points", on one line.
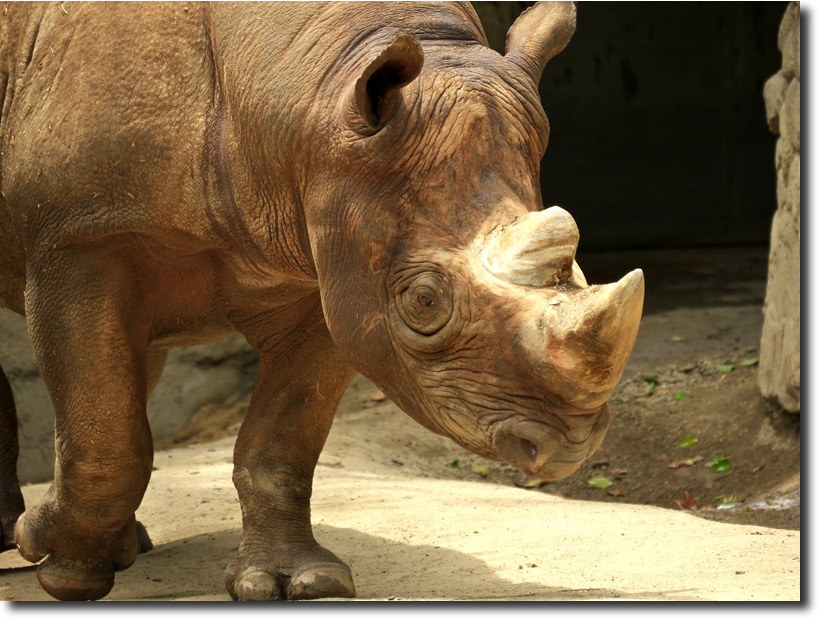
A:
{"points": [[537, 250]]}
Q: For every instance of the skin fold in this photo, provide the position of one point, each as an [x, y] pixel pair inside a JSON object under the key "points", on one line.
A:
{"points": [[335, 182]]}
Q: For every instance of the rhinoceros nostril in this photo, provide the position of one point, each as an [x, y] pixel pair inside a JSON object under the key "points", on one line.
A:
{"points": [[517, 450], [528, 447]]}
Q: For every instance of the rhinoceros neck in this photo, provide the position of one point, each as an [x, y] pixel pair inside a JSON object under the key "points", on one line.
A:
{"points": [[274, 88]]}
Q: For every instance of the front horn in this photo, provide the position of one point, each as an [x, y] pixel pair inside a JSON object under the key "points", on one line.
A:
{"points": [[580, 340], [537, 250]]}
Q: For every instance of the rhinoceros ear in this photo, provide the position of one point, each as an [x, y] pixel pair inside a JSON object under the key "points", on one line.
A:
{"points": [[540, 33], [378, 89]]}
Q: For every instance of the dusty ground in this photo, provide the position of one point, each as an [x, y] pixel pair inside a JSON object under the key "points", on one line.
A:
{"points": [[418, 517]]}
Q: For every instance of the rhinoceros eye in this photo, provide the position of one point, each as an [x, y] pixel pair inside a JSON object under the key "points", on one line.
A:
{"points": [[425, 303]]}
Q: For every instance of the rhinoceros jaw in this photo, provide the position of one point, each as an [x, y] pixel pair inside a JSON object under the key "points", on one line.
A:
{"points": [[536, 250]]}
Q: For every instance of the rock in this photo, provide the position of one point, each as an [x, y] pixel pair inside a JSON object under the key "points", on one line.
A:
{"points": [[790, 115], [774, 93], [779, 358], [789, 41], [220, 373]]}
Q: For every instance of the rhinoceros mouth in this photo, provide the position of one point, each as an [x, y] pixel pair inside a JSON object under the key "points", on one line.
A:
{"points": [[541, 450]]}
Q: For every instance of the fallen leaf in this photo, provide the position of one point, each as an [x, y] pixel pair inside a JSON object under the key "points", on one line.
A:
{"points": [[483, 471], [718, 465], [532, 483], [617, 492], [675, 464], [619, 471], [727, 501], [679, 504], [652, 383], [599, 481], [687, 441], [599, 464], [677, 338], [689, 501], [681, 395], [757, 468], [725, 368], [378, 396], [749, 362]]}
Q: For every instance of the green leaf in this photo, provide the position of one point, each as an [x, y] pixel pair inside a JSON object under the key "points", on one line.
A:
{"points": [[599, 482], [455, 463], [682, 395], [483, 471], [687, 441], [725, 368], [650, 390], [616, 400], [718, 465], [750, 362], [532, 483]]}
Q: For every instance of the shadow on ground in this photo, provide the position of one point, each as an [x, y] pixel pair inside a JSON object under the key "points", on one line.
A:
{"points": [[407, 569]]}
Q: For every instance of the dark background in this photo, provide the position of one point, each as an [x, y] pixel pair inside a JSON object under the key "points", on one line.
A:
{"points": [[658, 128]]}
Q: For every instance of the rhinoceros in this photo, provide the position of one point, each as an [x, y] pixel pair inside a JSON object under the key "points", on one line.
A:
{"points": [[354, 187]]}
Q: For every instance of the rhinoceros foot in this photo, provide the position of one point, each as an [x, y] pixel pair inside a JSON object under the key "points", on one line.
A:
{"points": [[306, 579], [8, 516], [79, 564]]}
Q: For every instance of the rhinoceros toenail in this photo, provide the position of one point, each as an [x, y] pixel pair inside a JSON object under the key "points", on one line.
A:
{"points": [[257, 585]]}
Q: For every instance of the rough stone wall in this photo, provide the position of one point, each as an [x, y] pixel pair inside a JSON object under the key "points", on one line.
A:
{"points": [[196, 378], [779, 363]]}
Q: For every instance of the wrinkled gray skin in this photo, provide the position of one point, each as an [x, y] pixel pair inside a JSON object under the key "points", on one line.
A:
{"points": [[320, 178]]}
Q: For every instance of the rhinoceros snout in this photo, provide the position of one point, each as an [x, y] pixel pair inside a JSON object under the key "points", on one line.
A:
{"points": [[537, 449]]}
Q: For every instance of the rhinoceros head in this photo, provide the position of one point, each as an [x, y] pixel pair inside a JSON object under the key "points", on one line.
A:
{"points": [[442, 277]]}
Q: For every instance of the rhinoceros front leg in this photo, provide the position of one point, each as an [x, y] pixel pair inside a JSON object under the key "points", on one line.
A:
{"points": [[90, 339], [301, 380]]}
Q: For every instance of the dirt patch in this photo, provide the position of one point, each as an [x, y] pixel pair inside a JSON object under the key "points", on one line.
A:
{"points": [[703, 310]]}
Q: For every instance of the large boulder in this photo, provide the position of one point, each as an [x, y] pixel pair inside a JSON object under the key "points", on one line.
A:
{"points": [[779, 363]]}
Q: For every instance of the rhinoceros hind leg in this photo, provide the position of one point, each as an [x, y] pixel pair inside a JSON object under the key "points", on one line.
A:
{"points": [[302, 377], [144, 543], [155, 365], [11, 499]]}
